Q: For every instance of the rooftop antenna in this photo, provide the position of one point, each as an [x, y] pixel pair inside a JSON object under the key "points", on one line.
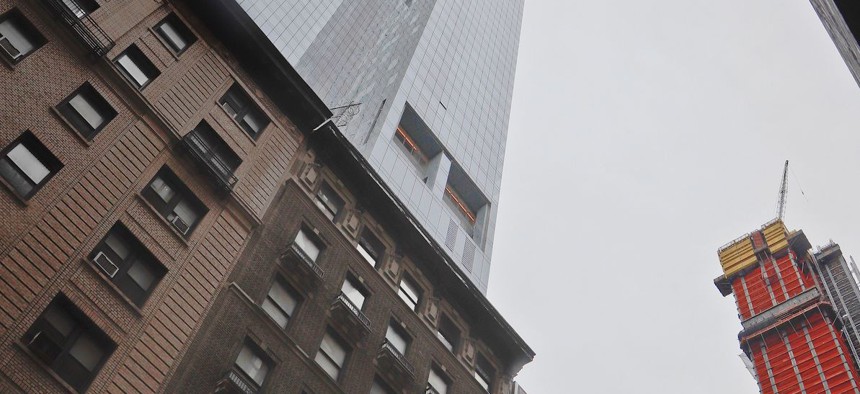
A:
{"points": [[783, 189]]}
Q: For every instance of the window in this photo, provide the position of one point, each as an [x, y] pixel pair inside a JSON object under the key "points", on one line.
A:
{"points": [[409, 292], [484, 372], [411, 147], [437, 382], [69, 343], [87, 111], [175, 33], [448, 333], [418, 142], [241, 108], [354, 292], [129, 265], [280, 303], [370, 247], [174, 202], [379, 387], [397, 337], [331, 355], [466, 201], [135, 67], [308, 244], [212, 151], [80, 8], [18, 38], [329, 201], [27, 165], [253, 362]]}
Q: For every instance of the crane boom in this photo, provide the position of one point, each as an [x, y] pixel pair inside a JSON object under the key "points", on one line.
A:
{"points": [[783, 189]]}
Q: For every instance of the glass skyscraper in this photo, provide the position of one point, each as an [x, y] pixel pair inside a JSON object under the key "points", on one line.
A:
{"points": [[422, 88]]}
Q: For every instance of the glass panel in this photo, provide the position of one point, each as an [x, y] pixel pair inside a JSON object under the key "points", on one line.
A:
{"points": [[254, 122], [87, 111], [133, 70], [15, 35], [333, 350], [436, 381], [275, 312], [444, 340], [87, 352], [353, 293], [481, 381], [395, 338], [186, 212], [162, 189], [252, 364], [408, 293], [117, 245], [307, 245], [283, 298], [141, 274], [73, 6], [173, 36], [60, 320], [28, 163], [327, 365]]}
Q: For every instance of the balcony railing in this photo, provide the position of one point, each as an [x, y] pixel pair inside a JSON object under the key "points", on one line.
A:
{"points": [[430, 390], [235, 383], [85, 28], [343, 299], [295, 252], [206, 156], [399, 358]]}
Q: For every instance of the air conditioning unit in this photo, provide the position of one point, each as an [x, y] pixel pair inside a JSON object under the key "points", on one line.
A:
{"points": [[104, 262], [10, 49], [180, 225]]}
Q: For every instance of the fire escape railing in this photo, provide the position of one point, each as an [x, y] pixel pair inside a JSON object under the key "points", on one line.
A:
{"points": [[87, 30], [221, 171], [401, 359], [342, 298]]}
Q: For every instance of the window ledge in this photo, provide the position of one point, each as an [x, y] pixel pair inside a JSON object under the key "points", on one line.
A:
{"points": [[174, 231], [18, 198], [134, 308], [167, 46], [71, 127], [23, 348]]}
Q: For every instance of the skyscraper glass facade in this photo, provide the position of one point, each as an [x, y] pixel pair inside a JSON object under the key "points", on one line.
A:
{"points": [[423, 89]]}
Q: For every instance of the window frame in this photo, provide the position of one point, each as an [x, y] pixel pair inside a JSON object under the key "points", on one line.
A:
{"points": [[359, 288], [85, 9], [482, 375], [261, 354], [138, 253], [42, 154], [180, 28], [181, 193], [397, 328], [26, 29], [297, 299], [43, 332], [443, 331], [143, 64], [238, 104], [401, 293], [311, 237], [97, 101], [367, 252], [343, 347], [446, 380], [325, 203]]}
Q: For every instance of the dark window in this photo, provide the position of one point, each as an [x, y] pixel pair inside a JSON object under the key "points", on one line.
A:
{"points": [[135, 67], [484, 372], [213, 151], [18, 37], [129, 265], [173, 201], [253, 363], [87, 111], [379, 387], [69, 343], [329, 201], [27, 165], [80, 8], [370, 247], [409, 292], [466, 201], [175, 33], [239, 105], [332, 355], [280, 303], [448, 333]]}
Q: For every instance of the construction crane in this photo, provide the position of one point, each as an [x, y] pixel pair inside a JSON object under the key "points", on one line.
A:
{"points": [[783, 189]]}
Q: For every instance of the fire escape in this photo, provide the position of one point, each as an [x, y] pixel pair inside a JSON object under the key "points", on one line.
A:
{"points": [[84, 27]]}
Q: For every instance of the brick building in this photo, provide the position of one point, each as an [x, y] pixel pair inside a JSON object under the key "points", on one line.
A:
{"points": [[171, 204]]}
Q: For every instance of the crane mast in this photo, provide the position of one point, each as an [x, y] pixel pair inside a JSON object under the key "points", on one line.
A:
{"points": [[783, 189]]}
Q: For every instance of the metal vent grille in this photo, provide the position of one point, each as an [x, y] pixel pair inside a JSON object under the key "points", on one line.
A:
{"points": [[451, 237], [468, 255]]}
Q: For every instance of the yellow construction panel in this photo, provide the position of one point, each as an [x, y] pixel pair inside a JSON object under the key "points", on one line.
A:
{"points": [[776, 236], [737, 256]]}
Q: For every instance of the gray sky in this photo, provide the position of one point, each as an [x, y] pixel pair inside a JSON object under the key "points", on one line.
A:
{"points": [[644, 135]]}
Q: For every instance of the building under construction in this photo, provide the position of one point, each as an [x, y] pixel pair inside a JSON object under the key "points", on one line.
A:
{"points": [[798, 311]]}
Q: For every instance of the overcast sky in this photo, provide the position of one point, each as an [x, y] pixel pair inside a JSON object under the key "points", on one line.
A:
{"points": [[644, 135]]}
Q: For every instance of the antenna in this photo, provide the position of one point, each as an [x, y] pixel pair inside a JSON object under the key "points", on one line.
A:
{"points": [[783, 188]]}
